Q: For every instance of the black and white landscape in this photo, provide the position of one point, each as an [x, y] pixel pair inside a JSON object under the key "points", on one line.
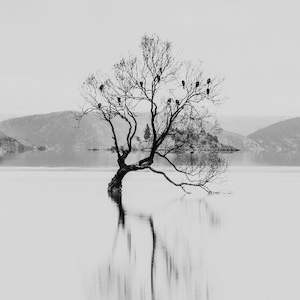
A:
{"points": [[149, 150]]}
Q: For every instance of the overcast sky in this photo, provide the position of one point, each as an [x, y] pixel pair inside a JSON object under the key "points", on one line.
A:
{"points": [[48, 47]]}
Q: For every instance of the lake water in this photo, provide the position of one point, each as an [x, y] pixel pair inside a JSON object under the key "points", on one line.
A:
{"points": [[57, 229], [106, 158]]}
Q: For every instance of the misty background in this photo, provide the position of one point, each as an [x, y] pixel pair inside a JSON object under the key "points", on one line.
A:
{"points": [[49, 47]]}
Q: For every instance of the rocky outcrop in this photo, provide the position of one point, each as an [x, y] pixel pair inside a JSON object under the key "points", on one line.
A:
{"points": [[10, 145]]}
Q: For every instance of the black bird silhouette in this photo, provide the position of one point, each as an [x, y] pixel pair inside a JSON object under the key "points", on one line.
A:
{"points": [[177, 102], [197, 84], [119, 100], [101, 87], [169, 100], [207, 91], [99, 105], [141, 84], [183, 83], [208, 81], [160, 70]]}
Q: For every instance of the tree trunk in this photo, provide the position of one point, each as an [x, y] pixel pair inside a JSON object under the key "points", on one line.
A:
{"points": [[115, 193]]}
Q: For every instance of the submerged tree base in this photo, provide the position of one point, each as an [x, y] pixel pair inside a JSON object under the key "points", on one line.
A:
{"points": [[114, 191]]}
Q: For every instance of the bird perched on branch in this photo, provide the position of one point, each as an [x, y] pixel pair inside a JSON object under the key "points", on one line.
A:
{"points": [[99, 105], [208, 81], [119, 100], [207, 91], [177, 102], [183, 83], [197, 84], [160, 70], [141, 84], [169, 101], [101, 87]]}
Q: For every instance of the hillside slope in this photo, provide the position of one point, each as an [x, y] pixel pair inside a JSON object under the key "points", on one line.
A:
{"points": [[238, 141], [62, 131], [245, 125], [281, 137]]}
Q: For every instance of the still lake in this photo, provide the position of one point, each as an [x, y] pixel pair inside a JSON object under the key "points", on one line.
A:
{"points": [[106, 159], [57, 228]]}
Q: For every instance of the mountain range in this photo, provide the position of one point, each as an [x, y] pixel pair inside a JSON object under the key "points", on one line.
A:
{"points": [[61, 131], [280, 142]]}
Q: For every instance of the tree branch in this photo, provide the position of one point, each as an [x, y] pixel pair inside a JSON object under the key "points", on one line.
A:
{"points": [[182, 185]]}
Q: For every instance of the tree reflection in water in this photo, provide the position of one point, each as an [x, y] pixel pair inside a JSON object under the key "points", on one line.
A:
{"points": [[160, 256]]}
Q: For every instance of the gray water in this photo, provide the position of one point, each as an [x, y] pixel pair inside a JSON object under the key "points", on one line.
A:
{"points": [[108, 159], [58, 230]]}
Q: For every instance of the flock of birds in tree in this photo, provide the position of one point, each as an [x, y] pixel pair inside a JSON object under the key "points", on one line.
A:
{"points": [[158, 78]]}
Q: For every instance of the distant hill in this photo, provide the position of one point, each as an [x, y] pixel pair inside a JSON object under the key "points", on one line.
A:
{"points": [[245, 125], [281, 137], [238, 141], [61, 131]]}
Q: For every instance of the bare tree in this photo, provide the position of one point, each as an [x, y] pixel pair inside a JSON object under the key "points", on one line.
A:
{"points": [[175, 96]]}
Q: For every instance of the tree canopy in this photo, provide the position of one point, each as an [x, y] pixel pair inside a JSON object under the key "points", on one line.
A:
{"points": [[175, 96]]}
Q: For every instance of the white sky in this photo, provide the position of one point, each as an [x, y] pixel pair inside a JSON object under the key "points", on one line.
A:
{"points": [[49, 46]]}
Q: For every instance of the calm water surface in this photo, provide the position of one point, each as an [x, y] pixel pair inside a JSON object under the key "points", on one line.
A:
{"points": [[58, 236], [106, 158]]}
